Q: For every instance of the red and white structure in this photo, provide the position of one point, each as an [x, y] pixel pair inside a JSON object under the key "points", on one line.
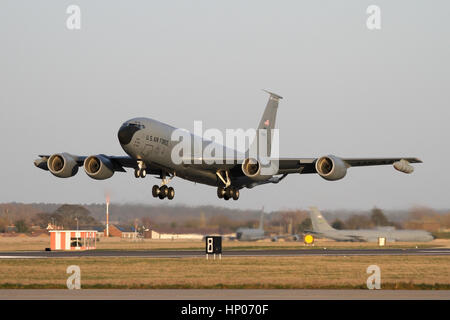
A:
{"points": [[73, 239]]}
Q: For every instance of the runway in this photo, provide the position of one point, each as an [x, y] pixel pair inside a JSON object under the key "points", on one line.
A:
{"points": [[231, 253], [221, 294]]}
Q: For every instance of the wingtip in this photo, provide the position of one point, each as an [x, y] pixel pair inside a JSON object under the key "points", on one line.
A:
{"points": [[272, 94], [414, 160]]}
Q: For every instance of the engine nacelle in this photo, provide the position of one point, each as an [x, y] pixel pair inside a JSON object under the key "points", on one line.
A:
{"points": [[62, 165], [255, 170], [98, 167], [331, 168], [403, 166], [251, 167]]}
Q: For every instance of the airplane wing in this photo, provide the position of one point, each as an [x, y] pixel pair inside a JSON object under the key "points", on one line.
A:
{"points": [[292, 165], [347, 237], [361, 162], [307, 165], [355, 238], [293, 237], [119, 162]]}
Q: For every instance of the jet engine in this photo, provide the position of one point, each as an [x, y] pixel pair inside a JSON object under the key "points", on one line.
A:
{"points": [[98, 167], [331, 168], [62, 165], [255, 170], [251, 167]]}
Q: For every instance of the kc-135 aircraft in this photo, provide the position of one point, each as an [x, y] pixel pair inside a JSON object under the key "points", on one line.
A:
{"points": [[321, 228], [150, 147], [255, 234]]}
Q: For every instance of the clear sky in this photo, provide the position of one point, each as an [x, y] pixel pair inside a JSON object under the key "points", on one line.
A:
{"points": [[347, 91]]}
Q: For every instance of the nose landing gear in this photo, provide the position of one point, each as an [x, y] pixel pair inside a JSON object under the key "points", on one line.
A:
{"points": [[140, 171]]}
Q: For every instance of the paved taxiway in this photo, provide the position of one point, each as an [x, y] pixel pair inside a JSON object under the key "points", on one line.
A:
{"points": [[220, 294], [231, 253]]}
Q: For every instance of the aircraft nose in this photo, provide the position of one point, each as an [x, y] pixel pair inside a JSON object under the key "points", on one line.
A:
{"points": [[126, 133]]}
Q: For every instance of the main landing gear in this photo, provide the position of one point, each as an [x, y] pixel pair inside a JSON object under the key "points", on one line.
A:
{"points": [[163, 192], [228, 193]]}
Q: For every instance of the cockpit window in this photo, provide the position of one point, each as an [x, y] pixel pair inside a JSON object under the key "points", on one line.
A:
{"points": [[137, 125], [127, 131]]}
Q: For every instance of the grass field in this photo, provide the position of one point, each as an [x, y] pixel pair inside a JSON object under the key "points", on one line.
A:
{"points": [[40, 243], [397, 272]]}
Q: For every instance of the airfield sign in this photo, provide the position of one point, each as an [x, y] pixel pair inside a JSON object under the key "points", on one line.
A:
{"points": [[213, 246]]}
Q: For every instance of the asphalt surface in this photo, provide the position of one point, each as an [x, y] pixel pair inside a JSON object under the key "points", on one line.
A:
{"points": [[221, 294], [231, 253]]}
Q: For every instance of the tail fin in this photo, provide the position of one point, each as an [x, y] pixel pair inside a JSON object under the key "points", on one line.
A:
{"points": [[261, 220], [270, 113], [269, 116], [318, 221]]}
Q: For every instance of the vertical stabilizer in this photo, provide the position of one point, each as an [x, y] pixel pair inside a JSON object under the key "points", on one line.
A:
{"points": [[318, 221], [261, 220], [267, 122], [270, 113]]}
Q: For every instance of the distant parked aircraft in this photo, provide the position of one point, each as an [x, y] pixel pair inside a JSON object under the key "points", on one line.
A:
{"points": [[321, 228], [253, 234]]}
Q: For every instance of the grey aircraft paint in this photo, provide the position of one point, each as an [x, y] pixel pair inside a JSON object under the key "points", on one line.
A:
{"points": [[149, 147], [252, 234], [321, 228]]}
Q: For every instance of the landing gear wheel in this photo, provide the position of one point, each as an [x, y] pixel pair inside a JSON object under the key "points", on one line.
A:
{"points": [[164, 191], [170, 193], [220, 192], [236, 194], [229, 193], [226, 197], [155, 191], [140, 173]]}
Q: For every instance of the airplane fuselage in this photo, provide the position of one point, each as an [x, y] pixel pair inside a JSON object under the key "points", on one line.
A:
{"points": [[152, 144], [246, 234], [373, 235]]}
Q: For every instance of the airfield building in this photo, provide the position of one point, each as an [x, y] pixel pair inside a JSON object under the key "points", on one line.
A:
{"points": [[73, 239]]}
